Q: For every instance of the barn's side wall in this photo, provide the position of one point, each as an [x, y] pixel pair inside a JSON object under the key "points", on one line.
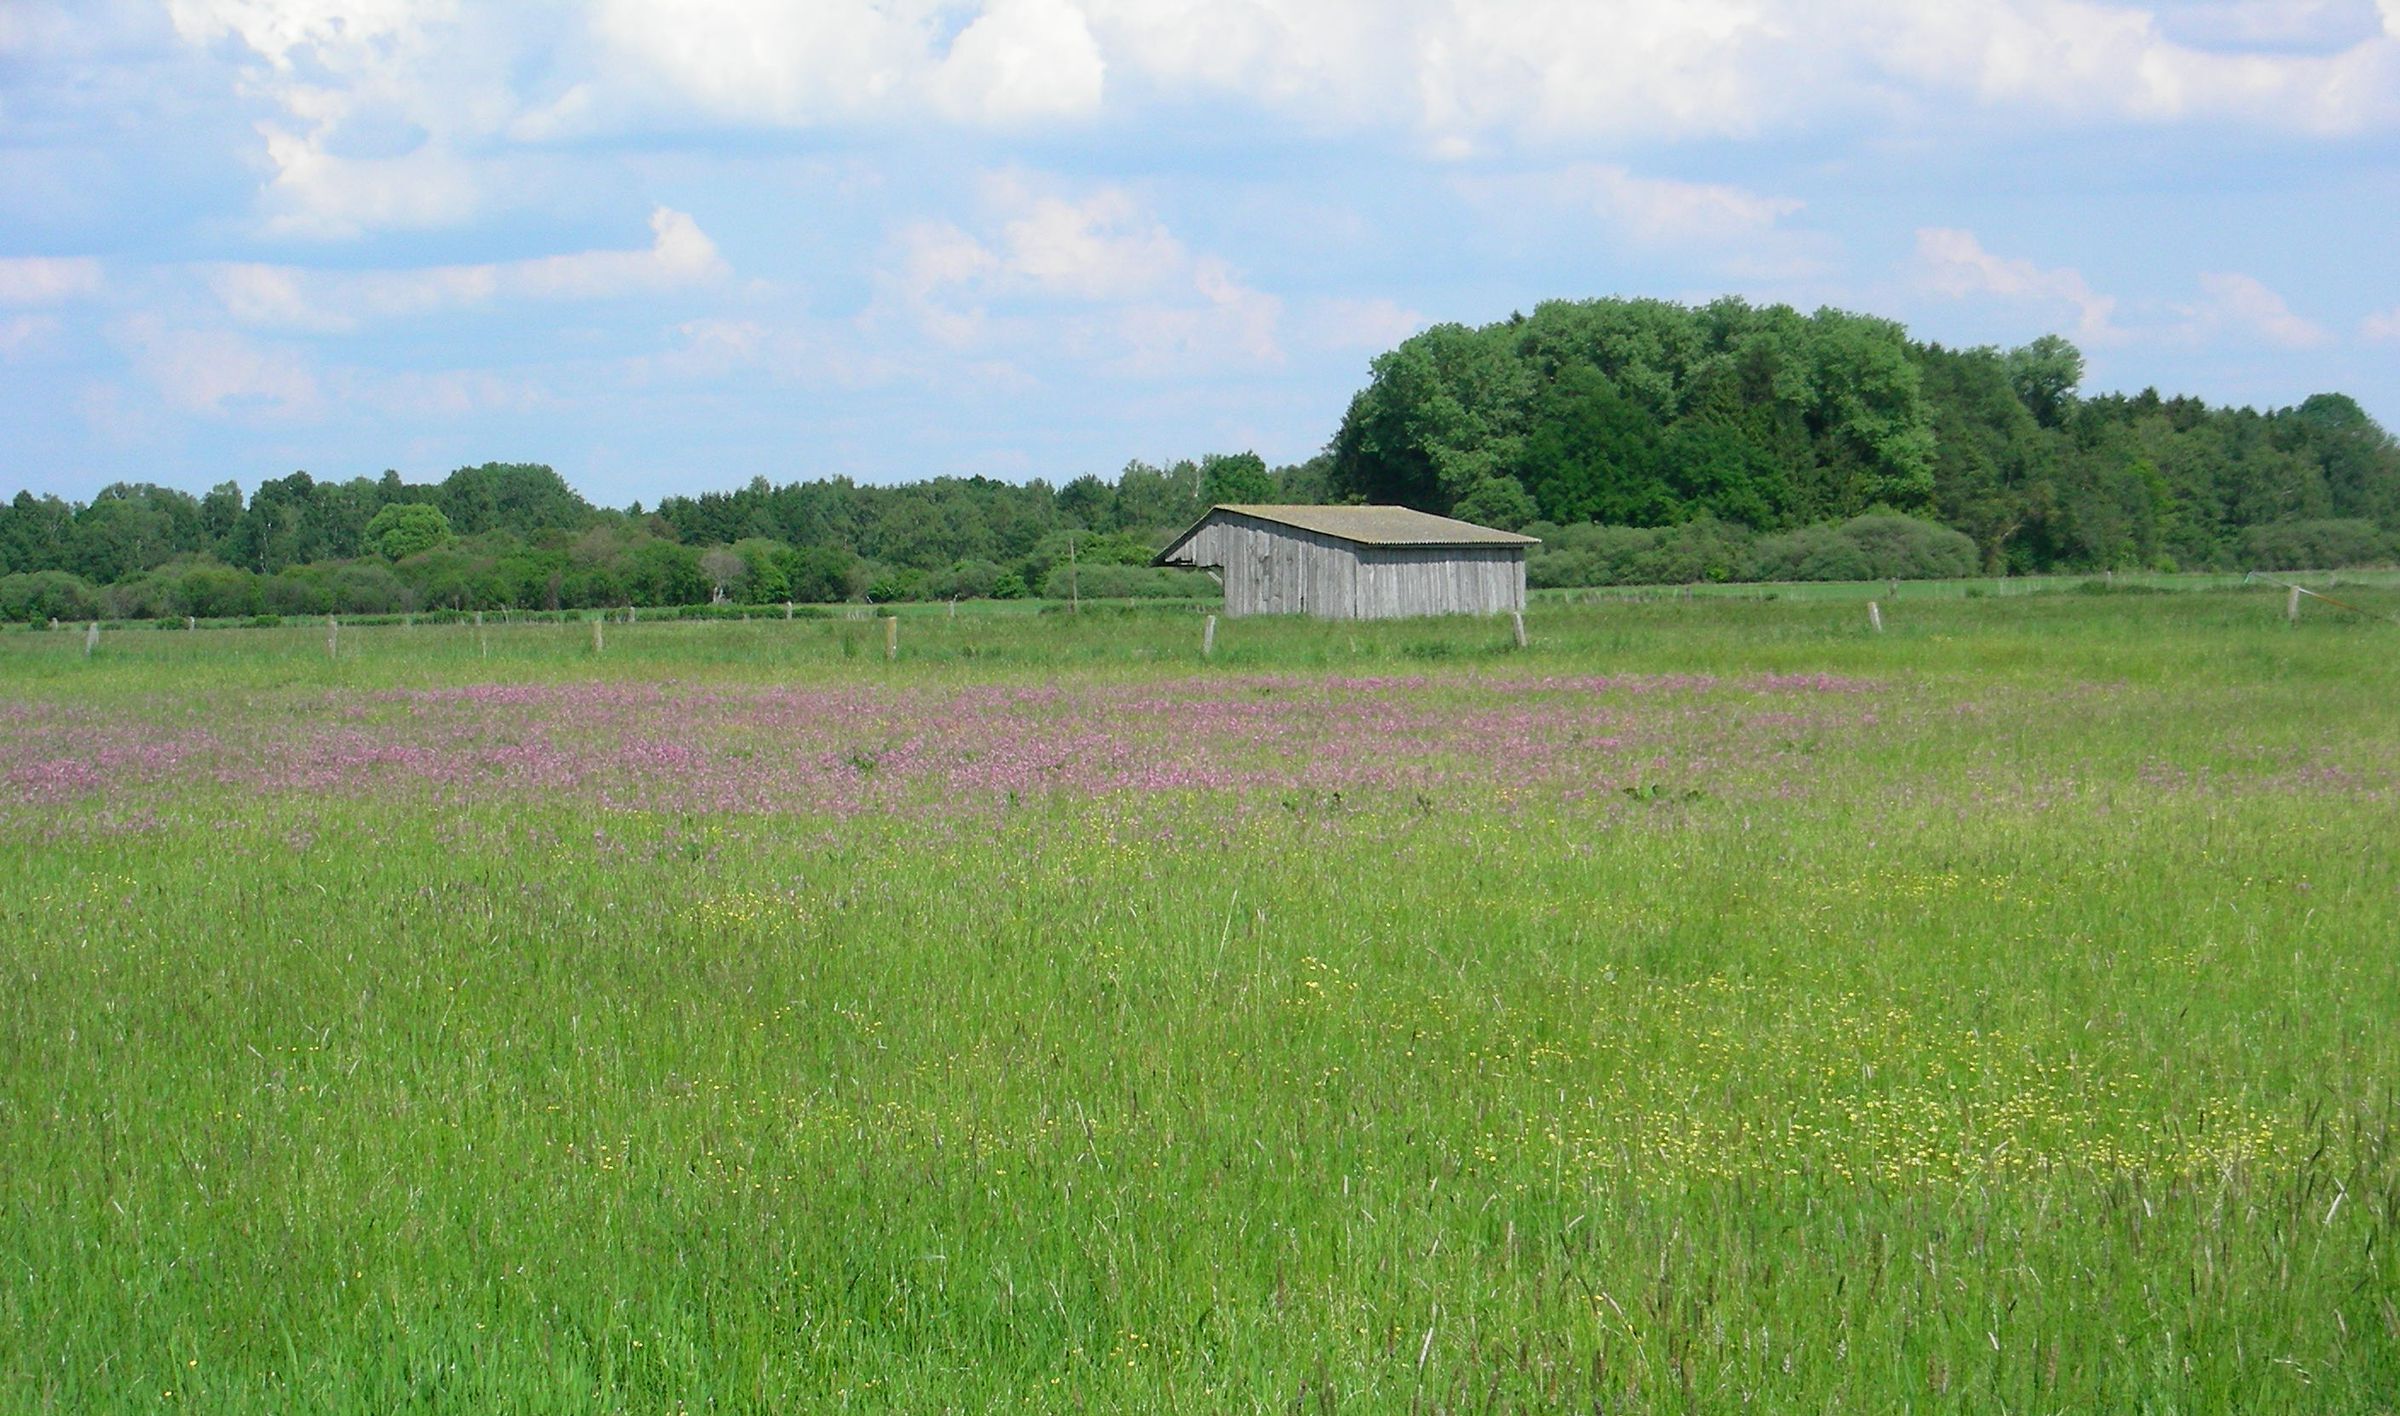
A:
{"points": [[1272, 569], [1440, 580]]}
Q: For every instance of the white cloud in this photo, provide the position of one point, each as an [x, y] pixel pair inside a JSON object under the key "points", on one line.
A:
{"points": [[1373, 324], [1653, 210], [1046, 254], [2289, 24], [712, 349], [452, 393], [2382, 327], [2100, 61], [47, 280], [1666, 211], [1235, 319], [21, 335], [2244, 304], [278, 31], [1736, 231], [1551, 69], [1022, 59], [1954, 263], [761, 60], [459, 83], [317, 193], [219, 372], [378, 98], [1104, 246], [774, 62], [680, 255]]}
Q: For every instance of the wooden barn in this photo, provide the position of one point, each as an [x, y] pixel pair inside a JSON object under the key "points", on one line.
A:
{"points": [[1354, 562]]}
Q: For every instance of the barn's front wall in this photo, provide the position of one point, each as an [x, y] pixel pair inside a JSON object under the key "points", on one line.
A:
{"points": [[1271, 569], [1279, 570]]}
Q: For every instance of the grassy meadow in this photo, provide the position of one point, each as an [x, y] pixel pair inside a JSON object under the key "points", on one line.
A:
{"points": [[1716, 1005]]}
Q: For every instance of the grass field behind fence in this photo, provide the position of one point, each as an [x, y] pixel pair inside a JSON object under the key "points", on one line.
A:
{"points": [[1715, 1005]]}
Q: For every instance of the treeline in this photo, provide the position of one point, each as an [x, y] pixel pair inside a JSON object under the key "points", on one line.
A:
{"points": [[518, 536], [1644, 413], [1641, 439]]}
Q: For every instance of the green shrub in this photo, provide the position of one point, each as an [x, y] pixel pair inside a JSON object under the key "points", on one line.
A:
{"points": [[1125, 582], [1880, 545], [2314, 545], [44, 595]]}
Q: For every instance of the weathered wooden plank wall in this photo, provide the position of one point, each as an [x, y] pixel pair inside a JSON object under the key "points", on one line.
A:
{"points": [[1280, 570], [1440, 580], [1271, 569]]}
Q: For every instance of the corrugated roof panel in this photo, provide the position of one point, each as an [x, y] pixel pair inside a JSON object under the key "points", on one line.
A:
{"points": [[1372, 525]]}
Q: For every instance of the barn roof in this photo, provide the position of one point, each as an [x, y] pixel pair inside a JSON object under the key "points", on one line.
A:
{"points": [[1364, 525]]}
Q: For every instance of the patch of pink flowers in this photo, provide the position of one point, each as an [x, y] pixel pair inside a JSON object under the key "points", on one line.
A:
{"points": [[847, 749]]}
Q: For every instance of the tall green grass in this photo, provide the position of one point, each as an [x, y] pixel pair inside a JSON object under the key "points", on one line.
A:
{"points": [[2035, 1050]]}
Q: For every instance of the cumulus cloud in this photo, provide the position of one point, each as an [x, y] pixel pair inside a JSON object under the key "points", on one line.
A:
{"points": [[1103, 246], [769, 61], [316, 192], [450, 393], [21, 335], [713, 348], [218, 372], [1734, 230], [1049, 257], [1581, 68], [1955, 264], [2114, 62], [2245, 305], [1652, 210], [1231, 318], [1659, 209], [349, 75], [760, 60], [47, 280], [1022, 59], [459, 84], [1373, 324], [680, 254], [2382, 327], [2288, 24]]}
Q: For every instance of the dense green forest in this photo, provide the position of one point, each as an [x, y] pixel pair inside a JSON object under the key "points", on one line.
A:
{"points": [[1643, 440]]}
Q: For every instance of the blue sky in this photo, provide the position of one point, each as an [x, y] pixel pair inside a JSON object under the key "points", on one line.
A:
{"points": [[670, 247]]}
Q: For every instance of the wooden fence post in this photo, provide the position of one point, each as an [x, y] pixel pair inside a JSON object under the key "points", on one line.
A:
{"points": [[91, 638], [1516, 618], [2291, 606], [333, 638], [1875, 616], [597, 621], [191, 621], [787, 611], [891, 637], [1208, 637]]}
